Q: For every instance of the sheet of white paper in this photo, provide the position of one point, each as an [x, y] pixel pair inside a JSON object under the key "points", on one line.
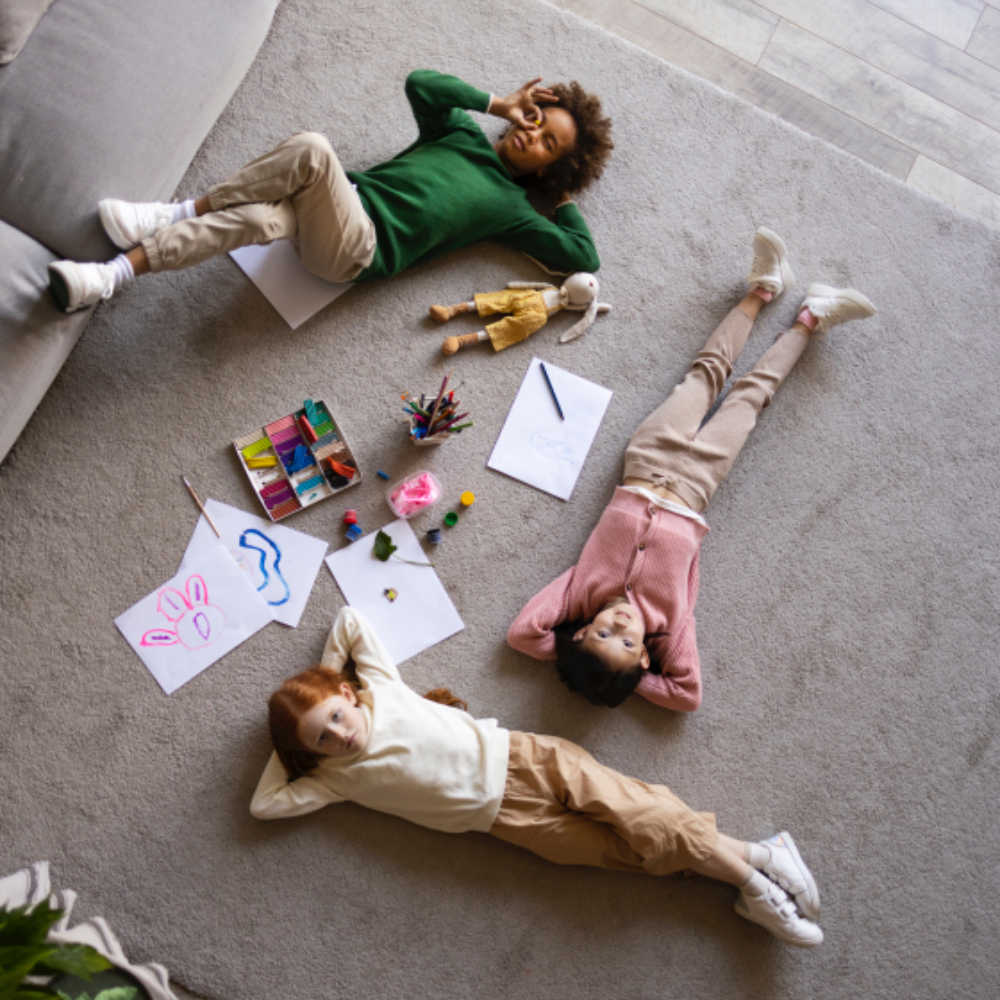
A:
{"points": [[281, 562], [193, 620], [296, 293], [420, 616], [538, 447]]}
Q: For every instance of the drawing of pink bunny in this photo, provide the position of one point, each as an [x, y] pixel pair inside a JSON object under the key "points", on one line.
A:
{"points": [[196, 622]]}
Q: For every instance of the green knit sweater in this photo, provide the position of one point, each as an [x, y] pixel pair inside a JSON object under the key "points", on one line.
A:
{"points": [[450, 189]]}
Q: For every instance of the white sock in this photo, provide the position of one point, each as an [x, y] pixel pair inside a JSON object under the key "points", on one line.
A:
{"points": [[122, 271], [182, 210], [755, 884], [757, 856]]}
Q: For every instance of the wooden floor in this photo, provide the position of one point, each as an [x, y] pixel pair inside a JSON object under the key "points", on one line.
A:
{"points": [[912, 86]]}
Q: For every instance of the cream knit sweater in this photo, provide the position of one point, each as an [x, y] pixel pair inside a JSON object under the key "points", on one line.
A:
{"points": [[431, 764]]}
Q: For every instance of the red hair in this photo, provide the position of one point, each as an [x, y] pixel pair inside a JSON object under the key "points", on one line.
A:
{"points": [[303, 692], [289, 703]]}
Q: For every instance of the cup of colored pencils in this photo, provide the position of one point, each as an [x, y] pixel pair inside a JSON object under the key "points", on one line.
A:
{"points": [[435, 419]]}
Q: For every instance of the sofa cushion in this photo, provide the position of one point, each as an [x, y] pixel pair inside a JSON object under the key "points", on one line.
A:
{"points": [[112, 98], [17, 20], [35, 337]]}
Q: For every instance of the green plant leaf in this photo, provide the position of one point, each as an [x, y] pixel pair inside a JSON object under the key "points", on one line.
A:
{"points": [[383, 547], [18, 964], [24, 952], [117, 993], [76, 959], [27, 925], [15, 957]]}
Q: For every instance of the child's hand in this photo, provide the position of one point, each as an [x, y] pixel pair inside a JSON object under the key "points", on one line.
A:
{"points": [[521, 107]]}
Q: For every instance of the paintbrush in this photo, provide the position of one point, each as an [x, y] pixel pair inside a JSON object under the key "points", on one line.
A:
{"points": [[201, 506]]}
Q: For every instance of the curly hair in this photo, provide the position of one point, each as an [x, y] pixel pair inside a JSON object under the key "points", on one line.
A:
{"points": [[583, 673], [584, 163]]}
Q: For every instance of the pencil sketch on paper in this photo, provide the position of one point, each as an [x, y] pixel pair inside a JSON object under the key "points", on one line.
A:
{"points": [[570, 443], [196, 623], [267, 569], [536, 444]]}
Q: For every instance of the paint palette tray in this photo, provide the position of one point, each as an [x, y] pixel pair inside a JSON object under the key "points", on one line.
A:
{"points": [[297, 460]]}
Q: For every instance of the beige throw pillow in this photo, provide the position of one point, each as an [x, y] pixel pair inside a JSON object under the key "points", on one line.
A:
{"points": [[17, 21]]}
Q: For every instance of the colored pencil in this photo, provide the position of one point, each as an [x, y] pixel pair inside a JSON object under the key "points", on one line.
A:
{"points": [[455, 420], [440, 396], [555, 398]]}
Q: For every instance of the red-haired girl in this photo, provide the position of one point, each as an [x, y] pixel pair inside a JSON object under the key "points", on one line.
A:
{"points": [[370, 739]]}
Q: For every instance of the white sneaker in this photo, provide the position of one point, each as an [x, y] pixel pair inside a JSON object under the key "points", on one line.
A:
{"points": [[770, 269], [832, 306], [775, 911], [128, 223], [76, 286], [787, 868]]}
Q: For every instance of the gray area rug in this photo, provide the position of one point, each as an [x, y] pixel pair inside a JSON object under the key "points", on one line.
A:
{"points": [[848, 614]]}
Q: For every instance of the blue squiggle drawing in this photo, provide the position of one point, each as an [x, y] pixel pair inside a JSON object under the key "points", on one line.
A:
{"points": [[272, 578]]}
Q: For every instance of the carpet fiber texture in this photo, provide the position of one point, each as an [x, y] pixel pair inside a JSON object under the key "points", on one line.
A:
{"points": [[848, 616]]}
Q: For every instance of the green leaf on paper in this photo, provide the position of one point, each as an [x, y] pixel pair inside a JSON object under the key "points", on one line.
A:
{"points": [[383, 546]]}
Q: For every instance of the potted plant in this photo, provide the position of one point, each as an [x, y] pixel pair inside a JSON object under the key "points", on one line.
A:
{"points": [[34, 968]]}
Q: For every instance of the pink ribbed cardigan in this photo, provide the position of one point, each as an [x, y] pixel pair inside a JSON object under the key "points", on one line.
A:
{"points": [[650, 555]]}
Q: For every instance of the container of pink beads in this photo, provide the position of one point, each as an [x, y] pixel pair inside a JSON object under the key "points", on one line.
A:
{"points": [[414, 494]]}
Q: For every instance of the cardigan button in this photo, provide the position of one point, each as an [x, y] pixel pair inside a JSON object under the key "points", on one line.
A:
{"points": [[642, 546], [628, 586]]}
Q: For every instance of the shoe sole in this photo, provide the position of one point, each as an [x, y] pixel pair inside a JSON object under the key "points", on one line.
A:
{"points": [[106, 212], [811, 892], [60, 289], [787, 278], [848, 294], [781, 935]]}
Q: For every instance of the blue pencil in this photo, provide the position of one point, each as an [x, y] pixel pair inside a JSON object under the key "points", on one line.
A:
{"points": [[555, 398]]}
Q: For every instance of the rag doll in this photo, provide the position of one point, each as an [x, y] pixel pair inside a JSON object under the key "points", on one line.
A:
{"points": [[530, 304]]}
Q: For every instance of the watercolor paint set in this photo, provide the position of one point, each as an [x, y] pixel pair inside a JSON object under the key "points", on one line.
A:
{"points": [[297, 460]]}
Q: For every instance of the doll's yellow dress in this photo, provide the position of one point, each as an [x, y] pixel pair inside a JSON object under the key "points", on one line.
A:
{"points": [[528, 314]]}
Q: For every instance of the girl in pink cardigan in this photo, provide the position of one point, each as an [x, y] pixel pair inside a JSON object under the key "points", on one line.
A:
{"points": [[622, 619]]}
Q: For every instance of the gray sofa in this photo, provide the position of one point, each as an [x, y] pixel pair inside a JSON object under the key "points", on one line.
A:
{"points": [[98, 98]]}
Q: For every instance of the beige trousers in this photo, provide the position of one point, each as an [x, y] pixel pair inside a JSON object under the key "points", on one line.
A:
{"points": [[674, 449], [561, 804], [298, 191]]}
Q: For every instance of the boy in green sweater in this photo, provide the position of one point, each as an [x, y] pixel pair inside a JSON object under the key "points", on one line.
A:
{"points": [[450, 188]]}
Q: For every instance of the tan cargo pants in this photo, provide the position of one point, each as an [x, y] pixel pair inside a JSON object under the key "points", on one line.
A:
{"points": [[561, 804], [299, 192]]}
